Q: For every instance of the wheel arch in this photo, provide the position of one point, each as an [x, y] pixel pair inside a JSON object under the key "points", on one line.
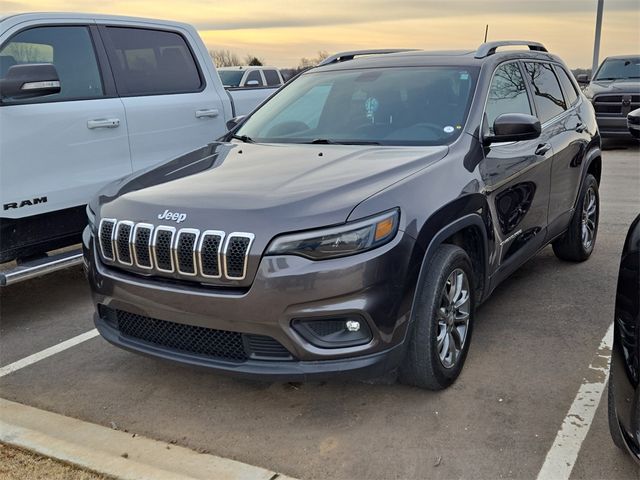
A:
{"points": [[469, 230], [592, 165]]}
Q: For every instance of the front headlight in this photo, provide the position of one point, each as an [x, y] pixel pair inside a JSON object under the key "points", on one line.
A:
{"points": [[348, 239]]}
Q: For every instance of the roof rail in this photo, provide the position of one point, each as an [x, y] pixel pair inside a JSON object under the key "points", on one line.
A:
{"points": [[344, 56], [489, 48]]}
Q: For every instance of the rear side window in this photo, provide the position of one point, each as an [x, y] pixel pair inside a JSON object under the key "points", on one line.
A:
{"points": [[508, 94], [272, 77], [69, 49], [567, 85], [152, 62], [547, 94], [254, 76]]}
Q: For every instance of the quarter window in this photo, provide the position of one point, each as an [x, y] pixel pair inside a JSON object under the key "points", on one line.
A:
{"points": [[254, 75], [567, 85], [508, 94], [152, 62], [69, 49], [547, 94]]}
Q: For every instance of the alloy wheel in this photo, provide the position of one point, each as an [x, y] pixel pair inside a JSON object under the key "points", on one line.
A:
{"points": [[453, 318], [589, 218]]}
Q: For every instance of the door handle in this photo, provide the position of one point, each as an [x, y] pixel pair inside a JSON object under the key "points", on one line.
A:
{"points": [[103, 123], [209, 112], [581, 127], [542, 149]]}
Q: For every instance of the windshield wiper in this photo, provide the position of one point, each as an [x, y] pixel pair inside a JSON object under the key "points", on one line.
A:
{"points": [[326, 141], [243, 138]]}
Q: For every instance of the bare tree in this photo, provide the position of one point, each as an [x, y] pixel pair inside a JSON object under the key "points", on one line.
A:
{"points": [[224, 58], [253, 61], [312, 62]]}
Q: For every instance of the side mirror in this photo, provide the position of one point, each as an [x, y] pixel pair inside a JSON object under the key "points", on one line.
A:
{"points": [[252, 83], [514, 127], [234, 122], [583, 79], [30, 80]]}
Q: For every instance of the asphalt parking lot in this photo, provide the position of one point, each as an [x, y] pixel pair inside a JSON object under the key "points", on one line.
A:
{"points": [[533, 343]]}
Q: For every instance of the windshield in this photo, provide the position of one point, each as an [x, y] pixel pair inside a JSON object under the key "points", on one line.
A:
{"points": [[231, 78], [619, 69], [386, 106]]}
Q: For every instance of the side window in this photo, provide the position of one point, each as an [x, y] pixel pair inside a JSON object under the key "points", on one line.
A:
{"points": [[546, 90], [69, 49], [567, 85], [507, 94], [152, 62], [254, 75], [272, 77]]}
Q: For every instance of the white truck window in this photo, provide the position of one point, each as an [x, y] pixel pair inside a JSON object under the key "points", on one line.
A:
{"points": [[254, 75], [272, 77], [152, 62], [69, 49]]}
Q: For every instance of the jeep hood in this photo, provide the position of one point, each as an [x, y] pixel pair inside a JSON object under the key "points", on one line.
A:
{"points": [[265, 188]]}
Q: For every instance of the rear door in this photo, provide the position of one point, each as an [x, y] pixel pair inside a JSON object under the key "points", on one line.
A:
{"points": [[560, 129], [516, 174], [171, 108], [56, 151], [567, 163]]}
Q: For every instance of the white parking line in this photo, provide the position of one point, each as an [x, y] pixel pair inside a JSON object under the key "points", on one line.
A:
{"points": [[562, 455], [47, 352]]}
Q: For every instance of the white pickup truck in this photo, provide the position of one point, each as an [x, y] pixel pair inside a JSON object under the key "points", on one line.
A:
{"points": [[86, 99]]}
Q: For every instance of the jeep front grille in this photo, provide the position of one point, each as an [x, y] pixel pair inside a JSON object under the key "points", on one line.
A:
{"points": [[235, 252], [106, 238], [167, 251], [210, 253]]}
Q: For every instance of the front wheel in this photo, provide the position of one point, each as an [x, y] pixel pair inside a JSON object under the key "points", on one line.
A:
{"points": [[576, 245], [442, 321]]}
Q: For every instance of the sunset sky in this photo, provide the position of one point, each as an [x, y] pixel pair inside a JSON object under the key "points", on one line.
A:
{"points": [[283, 31]]}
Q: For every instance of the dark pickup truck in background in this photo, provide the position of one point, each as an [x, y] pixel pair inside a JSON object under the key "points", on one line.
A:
{"points": [[614, 91]]}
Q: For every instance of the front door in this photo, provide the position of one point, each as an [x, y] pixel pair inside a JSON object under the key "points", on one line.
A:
{"points": [[56, 151], [516, 174]]}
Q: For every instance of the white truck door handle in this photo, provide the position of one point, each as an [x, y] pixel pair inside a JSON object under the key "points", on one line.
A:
{"points": [[104, 123], [210, 112]]}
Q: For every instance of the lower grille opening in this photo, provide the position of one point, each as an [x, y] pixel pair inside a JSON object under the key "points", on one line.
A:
{"points": [[209, 342]]}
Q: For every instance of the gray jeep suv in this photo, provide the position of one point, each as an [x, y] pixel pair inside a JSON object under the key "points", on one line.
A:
{"points": [[352, 224]]}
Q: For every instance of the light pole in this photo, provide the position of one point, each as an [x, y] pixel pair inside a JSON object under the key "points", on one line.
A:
{"points": [[596, 43]]}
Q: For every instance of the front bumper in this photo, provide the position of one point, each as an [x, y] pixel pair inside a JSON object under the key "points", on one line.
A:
{"points": [[376, 286]]}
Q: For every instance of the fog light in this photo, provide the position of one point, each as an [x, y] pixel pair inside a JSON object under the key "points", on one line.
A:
{"points": [[353, 325], [337, 332]]}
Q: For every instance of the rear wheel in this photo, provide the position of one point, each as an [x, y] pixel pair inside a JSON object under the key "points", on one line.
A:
{"points": [[442, 323], [576, 245]]}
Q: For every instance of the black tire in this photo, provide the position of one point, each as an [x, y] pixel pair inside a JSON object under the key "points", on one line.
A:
{"points": [[571, 246], [422, 366], [614, 426]]}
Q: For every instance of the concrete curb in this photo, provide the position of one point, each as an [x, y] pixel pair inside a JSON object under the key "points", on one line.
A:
{"points": [[112, 452]]}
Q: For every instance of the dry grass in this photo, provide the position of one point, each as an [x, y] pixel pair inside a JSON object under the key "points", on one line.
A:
{"points": [[17, 464]]}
